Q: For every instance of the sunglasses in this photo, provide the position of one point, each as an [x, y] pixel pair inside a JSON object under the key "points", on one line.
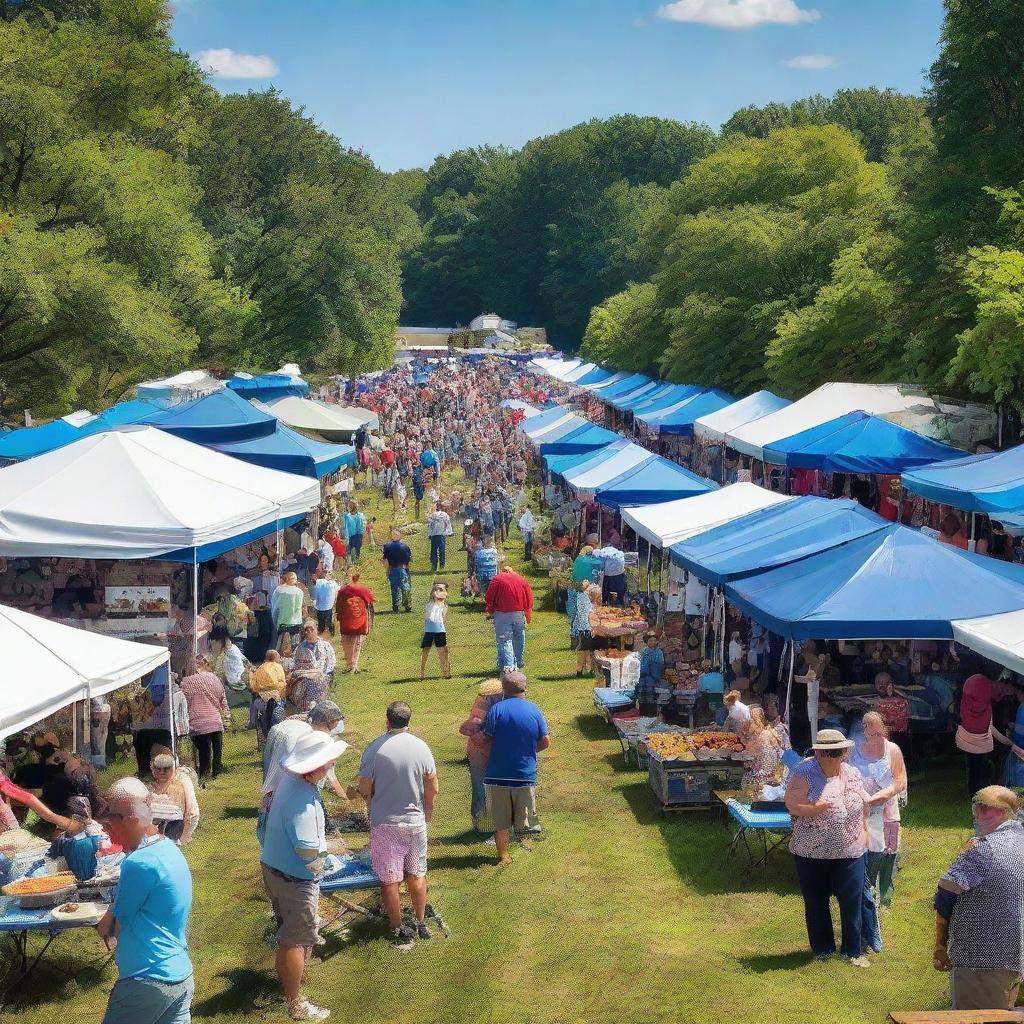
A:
{"points": [[831, 753]]}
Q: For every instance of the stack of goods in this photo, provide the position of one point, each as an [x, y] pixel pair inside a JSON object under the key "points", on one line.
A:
{"points": [[618, 622], [695, 746]]}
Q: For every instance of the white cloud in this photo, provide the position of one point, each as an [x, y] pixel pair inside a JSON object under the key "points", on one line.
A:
{"points": [[225, 63], [810, 62], [737, 14]]}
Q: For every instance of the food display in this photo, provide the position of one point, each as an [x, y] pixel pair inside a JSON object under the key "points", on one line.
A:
{"points": [[39, 886], [617, 621], [695, 746]]}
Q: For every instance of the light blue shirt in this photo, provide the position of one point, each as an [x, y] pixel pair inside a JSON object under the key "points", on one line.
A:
{"points": [[153, 901], [295, 821], [614, 561], [355, 524], [485, 560], [324, 593], [711, 682]]}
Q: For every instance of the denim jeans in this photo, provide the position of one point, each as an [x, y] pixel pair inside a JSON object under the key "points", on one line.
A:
{"points": [[478, 801], [401, 588], [437, 552], [510, 636], [355, 546], [870, 928], [144, 1001], [528, 545], [820, 880]]}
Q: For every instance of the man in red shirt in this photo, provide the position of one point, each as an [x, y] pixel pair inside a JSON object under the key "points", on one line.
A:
{"points": [[354, 608], [509, 601]]}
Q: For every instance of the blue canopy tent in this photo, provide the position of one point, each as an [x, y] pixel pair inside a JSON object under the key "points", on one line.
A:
{"points": [[679, 419], [675, 394], [29, 442], [217, 418], [652, 482], [545, 418], [892, 584], [291, 452], [586, 438], [624, 386], [858, 443], [595, 376], [774, 536], [561, 464], [649, 389], [992, 482], [269, 386]]}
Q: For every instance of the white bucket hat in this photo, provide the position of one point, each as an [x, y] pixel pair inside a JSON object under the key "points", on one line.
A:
{"points": [[831, 739], [313, 751]]}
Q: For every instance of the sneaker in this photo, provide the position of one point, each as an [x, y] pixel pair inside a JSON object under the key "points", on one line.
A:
{"points": [[303, 1009], [532, 830], [422, 931], [403, 937], [490, 841], [859, 961]]}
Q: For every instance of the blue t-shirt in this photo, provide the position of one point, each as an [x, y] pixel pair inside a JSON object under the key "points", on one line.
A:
{"points": [[428, 459], [515, 726], [154, 897], [295, 821], [397, 554], [355, 524], [711, 682]]}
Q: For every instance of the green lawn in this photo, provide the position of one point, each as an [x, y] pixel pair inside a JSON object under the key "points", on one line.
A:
{"points": [[618, 916]]}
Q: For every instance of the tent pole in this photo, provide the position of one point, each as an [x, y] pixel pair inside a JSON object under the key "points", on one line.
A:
{"points": [[974, 517], [789, 686]]}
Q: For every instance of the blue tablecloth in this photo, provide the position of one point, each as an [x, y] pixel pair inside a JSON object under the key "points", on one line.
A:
{"points": [[612, 699], [776, 821], [353, 874]]}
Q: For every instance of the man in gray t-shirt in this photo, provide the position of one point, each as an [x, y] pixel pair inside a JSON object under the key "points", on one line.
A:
{"points": [[398, 779]]}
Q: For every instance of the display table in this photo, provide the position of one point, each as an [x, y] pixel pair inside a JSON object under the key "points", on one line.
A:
{"points": [[349, 874], [957, 1017], [690, 785], [609, 700], [758, 833]]}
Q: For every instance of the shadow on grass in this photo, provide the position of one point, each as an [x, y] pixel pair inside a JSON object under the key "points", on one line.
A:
{"points": [[594, 727], [240, 812], [762, 963], [468, 838], [243, 987], [461, 861]]}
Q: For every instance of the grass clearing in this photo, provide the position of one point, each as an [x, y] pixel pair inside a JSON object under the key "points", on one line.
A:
{"points": [[619, 915]]}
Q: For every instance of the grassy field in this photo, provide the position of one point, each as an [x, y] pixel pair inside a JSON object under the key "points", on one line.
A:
{"points": [[617, 916]]}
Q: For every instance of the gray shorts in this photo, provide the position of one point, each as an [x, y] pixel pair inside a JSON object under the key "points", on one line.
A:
{"points": [[983, 990], [296, 903], [145, 1001], [510, 805]]}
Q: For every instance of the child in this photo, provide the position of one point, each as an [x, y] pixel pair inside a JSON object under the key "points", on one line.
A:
{"points": [[435, 627], [371, 537], [400, 495]]}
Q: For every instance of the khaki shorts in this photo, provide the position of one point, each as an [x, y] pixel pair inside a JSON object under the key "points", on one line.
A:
{"points": [[983, 990], [296, 905], [509, 805]]}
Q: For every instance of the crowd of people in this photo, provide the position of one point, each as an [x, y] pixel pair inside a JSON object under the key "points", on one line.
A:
{"points": [[273, 613]]}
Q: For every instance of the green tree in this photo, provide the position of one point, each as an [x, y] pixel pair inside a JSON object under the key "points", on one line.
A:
{"points": [[308, 230], [105, 273], [624, 330]]}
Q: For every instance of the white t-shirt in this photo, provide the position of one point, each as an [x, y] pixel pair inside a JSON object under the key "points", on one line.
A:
{"points": [[433, 617]]}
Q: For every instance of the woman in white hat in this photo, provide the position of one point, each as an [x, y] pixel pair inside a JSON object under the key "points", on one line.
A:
{"points": [[292, 850], [828, 803]]}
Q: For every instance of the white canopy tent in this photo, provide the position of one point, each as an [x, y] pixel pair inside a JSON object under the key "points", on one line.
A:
{"points": [[578, 371], [189, 382], [820, 406], [998, 637], [716, 425], [562, 368], [666, 524], [320, 417], [49, 666], [620, 458], [139, 492]]}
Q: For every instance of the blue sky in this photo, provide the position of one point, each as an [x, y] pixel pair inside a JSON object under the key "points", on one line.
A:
{"points": [[404, 80]]}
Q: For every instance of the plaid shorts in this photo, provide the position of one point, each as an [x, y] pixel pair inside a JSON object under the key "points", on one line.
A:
{"points": [[398, 850]]}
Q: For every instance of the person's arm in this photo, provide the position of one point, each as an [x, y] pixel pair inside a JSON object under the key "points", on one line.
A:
{"points": [[543, 743], [797, 803], [69, 825], [335, 786], [191, 815], [488, 600], [369, 618], [529, 604], [899, 778], [969, 870], [365, 787], [430, 791]]}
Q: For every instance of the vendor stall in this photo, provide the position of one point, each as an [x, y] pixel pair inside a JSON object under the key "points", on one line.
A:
{"points": [[685, 768]]}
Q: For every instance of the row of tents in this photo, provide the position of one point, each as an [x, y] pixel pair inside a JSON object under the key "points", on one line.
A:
{"points": [[804, 567]]}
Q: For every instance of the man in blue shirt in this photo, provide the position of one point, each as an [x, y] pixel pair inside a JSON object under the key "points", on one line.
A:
{"points": [[397, 558], [149, 916], [292, 851], [429, 460], [518, 733]]}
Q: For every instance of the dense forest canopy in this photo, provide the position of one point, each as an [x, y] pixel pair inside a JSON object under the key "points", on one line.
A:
{"points": [[148, 223]]}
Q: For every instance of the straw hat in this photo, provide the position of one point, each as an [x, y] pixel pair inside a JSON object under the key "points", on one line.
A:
{"points": [[313, 751], [490, 687], [831, 739]]}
